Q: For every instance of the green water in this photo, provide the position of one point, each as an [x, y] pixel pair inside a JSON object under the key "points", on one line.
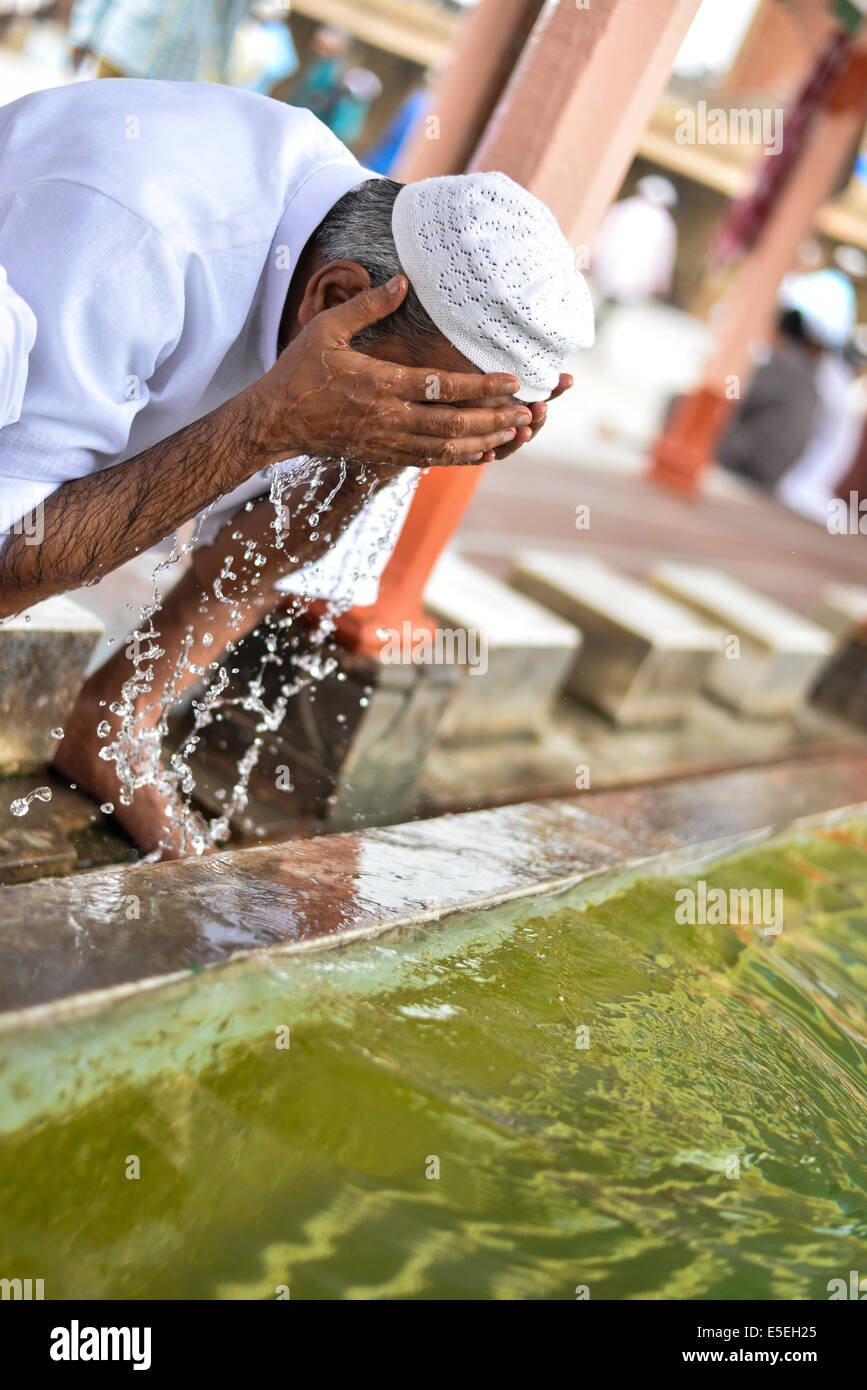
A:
{"points": [[709, 1142]]}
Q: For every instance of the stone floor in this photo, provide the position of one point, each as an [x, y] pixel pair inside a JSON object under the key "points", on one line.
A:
{"points": [[634, 523], [580, 748], [68, 832]]}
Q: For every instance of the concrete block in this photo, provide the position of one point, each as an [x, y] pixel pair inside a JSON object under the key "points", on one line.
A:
{"points": [[354, 742], [512, 655], [844, 609], [842, 687], [44, 653], [644, 657], [778, 655]]}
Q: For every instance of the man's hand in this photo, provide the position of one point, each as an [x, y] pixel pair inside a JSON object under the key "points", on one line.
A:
{"points": [[324, 398], [539, 412]]}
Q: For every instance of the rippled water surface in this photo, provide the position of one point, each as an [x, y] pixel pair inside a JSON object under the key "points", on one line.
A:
{"points": [[709, 1141]]}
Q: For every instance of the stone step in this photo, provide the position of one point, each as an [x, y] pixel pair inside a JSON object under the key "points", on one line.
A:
{"points": [[842, 686], [769, 657], [644, 657], [512, 655], [44, 653], [844, 609]]}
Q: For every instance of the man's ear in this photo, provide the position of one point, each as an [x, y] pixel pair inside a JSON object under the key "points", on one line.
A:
{"points": [[332, 284]]}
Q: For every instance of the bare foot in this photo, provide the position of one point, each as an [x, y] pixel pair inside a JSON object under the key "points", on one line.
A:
{"points": [[153, 820]]}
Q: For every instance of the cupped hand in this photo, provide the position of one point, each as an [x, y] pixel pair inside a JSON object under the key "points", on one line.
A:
{"points": [[524, 433], [324, 398]]}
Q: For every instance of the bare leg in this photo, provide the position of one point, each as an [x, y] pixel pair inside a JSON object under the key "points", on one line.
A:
{"points": [[190, 612]]}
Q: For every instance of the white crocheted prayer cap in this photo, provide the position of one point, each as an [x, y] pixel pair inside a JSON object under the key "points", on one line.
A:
{"points": [[496, 274], [17, 336]]}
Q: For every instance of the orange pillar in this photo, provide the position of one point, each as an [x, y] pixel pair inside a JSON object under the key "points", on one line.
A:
{"points": [[489, 44], [686, 447], [566, 127], [779, 45]]}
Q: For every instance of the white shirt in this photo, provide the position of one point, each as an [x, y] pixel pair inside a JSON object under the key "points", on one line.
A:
{"points": [[811, 482], [17, 336], [153, 227]]}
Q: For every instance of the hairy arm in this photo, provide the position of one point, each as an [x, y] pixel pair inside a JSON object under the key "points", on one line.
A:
{"points": [[320, 398], [93, 524]]}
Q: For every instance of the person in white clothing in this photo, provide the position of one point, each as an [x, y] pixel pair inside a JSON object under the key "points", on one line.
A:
{"points": [[633, 253], [219, 287], [17, 336]]}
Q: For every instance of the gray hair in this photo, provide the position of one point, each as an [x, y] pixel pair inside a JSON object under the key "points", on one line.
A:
{"points": [[358, 228]]}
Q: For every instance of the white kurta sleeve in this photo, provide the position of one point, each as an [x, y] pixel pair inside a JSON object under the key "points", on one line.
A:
{"points": [[350, 570], [17, 336], [108, 296]]}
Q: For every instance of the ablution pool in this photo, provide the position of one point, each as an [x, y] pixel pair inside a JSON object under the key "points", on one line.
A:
{"points": [[570, 1096]]}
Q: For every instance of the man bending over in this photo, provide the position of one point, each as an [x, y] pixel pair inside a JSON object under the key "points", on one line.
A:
{"points": [[218, 287]]}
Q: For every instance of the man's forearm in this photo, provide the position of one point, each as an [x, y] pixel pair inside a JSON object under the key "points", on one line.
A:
{"points": [[91, 525]]}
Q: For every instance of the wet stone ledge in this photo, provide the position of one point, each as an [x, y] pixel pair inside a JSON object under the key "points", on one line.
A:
{"points": [[115, 927]]}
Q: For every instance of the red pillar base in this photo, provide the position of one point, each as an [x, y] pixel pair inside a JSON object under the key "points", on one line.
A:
{"points": [[442, 497], [685, 449]]}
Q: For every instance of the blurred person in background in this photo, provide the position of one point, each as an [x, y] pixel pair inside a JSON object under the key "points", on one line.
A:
{"points": [[385, 154], [359, 89], [633, 252], [264, 54], [792, 393], [810, 484], [855, 478], [164, 39], [319, 84]]}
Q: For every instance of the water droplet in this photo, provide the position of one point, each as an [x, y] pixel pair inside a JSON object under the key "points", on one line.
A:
{"points": [[107, 808], [103, 729], [57, 733], [21, 805]]}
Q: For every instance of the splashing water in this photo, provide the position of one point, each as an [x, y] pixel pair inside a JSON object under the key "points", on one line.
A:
{"points": [[136, 748]]}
